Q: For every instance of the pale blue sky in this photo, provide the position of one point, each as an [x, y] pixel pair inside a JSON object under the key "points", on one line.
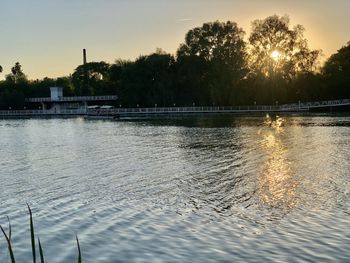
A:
{"points": [[47, 36]]}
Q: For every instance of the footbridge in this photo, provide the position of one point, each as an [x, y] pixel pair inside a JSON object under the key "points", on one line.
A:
{"points": [[293, 107], [159, 111]]}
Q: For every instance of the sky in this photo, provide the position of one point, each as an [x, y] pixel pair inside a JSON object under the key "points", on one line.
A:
{"points": [[47, 36]]}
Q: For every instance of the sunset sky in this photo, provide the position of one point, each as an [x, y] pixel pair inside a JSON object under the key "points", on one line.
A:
{"points": [[47, 36]]}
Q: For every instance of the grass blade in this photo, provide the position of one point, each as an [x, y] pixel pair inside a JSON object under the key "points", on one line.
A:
{"points": [[9, 228], [41, 252], [32, 233], [79, 256], [9, 245]]}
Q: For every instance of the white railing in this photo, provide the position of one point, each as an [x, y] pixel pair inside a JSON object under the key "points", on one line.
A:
{"points": [[318, 104], [169, 110], [41, 112], [207, 109], [76, 98]]}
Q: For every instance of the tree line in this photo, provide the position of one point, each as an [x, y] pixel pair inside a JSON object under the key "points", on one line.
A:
{"points": [[214, 66]]}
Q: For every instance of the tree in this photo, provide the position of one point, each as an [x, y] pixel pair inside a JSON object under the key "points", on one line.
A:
{"points": [[222, 47], [277, 49], [12, 98], [307, 87], [148, 81], [215, 41], [16, 75], [115, 75], [88, 78], [336, 72], [277, 54], [191, 77]]}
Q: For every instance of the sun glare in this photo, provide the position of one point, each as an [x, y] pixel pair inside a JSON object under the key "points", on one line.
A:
{"points": [[275, 55]]}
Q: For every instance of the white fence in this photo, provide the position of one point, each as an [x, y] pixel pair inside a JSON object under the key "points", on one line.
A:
{"points": [[41, 112], [76, 98], [174, 110], [318, 104]]}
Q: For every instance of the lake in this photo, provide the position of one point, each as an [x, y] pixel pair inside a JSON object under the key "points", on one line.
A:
{"points": [[205, 189]]}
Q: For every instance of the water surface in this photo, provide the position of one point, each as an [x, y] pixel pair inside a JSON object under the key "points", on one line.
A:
{"points": [[205, 189]]}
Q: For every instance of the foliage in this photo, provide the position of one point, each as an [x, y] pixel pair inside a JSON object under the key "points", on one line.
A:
{"points": [[148, 81], [278, 55], [16, 76], [273, 34], [336, 72], [191, 81], [88, 76], [215, 41], [12, 98], [222, 49]]}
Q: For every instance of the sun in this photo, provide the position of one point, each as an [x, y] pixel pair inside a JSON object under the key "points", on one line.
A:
{"points": [[275, 55]]}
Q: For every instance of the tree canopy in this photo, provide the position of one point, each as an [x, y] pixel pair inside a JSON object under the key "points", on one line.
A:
{"points": [[336, 72], [215, 41], [148, 81], [275, 48], [17, 75], [89, 75], [222, 49]]}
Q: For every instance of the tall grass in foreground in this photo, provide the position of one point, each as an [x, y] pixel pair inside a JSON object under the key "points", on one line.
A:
{"points": [[32, 237]]}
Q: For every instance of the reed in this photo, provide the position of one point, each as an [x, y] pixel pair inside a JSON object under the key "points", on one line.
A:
{"points": [[32, 235], [41, 252], [8, 240], [32, 238], [79, 256]]}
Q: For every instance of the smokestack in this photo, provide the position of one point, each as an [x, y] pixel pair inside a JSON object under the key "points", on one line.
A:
{"points": [[84, 56]]}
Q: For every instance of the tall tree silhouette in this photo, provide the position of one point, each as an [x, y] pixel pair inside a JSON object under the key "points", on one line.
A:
{"points": [[277, 54], [17, 75], [336, 72], [275, 48], [88, 78], [222, 47]]}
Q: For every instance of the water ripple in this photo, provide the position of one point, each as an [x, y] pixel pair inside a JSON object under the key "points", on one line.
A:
{"points": [[222, 189]]}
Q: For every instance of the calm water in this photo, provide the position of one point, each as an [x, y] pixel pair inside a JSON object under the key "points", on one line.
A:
{"points": [[218, 189]]}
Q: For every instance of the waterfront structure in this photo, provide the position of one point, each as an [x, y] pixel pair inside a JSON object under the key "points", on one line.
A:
{"points": [[62, 106], [57, 103]]}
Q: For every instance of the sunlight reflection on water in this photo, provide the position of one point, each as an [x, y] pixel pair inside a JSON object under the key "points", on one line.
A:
{"points": [[277, 185]]}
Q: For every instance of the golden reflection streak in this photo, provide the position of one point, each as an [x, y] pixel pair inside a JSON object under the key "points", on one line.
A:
{"points": [[277, 186]]}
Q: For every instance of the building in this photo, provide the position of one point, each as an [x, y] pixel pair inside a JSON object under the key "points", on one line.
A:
{"points": [[59, 104]]}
